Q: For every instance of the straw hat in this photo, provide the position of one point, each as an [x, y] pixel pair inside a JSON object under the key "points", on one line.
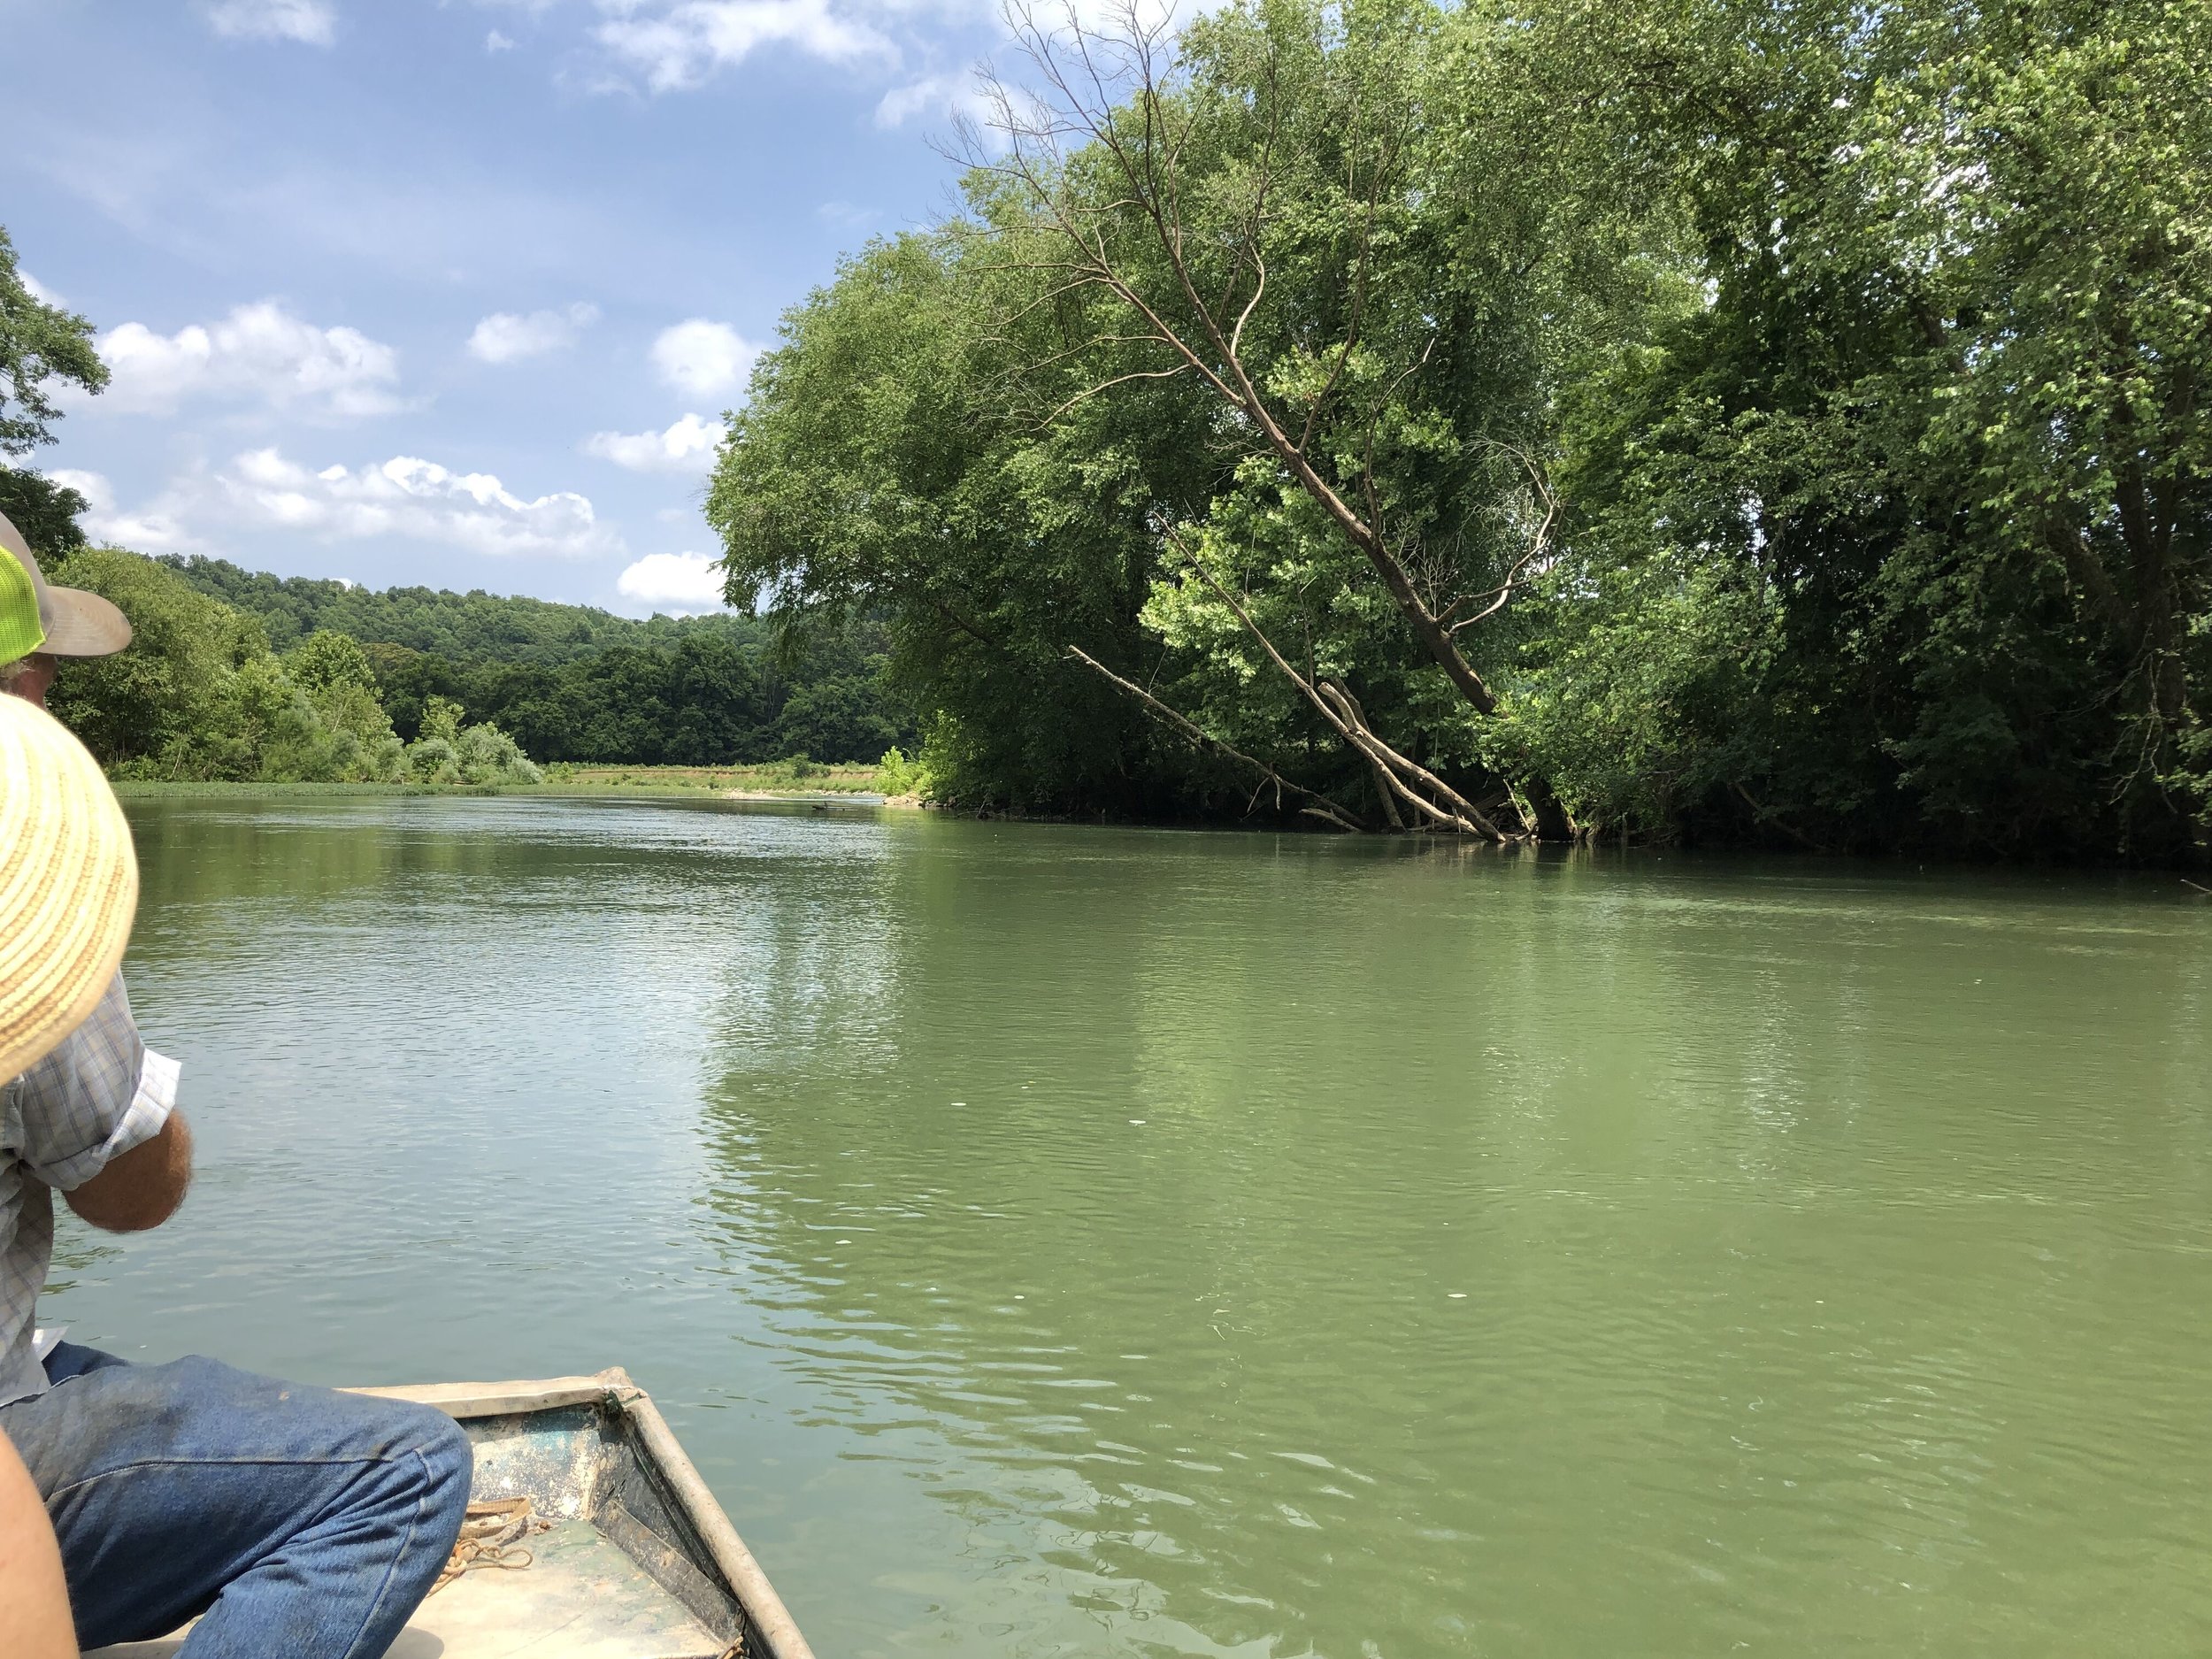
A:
{"points": [[68, 884], [75, 623]]}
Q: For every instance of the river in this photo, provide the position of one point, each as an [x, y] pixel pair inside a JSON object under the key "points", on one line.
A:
{"points": [[1062, 1240]]}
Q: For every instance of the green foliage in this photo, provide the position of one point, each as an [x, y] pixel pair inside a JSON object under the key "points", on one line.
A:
{"points": [[958, 432], [441, 719], [898, 776], [199, 697], [873, 467], [471, 628], [571, 683], [41, 347], [43, 350], [326, 660], [449, 753], [1939, 427], [1864, 352], [45, 511], [164, 707]]}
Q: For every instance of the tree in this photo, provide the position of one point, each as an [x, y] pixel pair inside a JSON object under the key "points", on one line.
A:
{"points": [[1779, 422], [42, 347], [881, 465], [1269, 217], [162, 704], [1230, 389], [1936, 437], [45, 512]]}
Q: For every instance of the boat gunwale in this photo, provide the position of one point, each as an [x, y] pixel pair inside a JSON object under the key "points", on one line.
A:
{"points": [[613, 1389]]}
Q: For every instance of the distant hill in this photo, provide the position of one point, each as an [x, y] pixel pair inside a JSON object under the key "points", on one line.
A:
{"points": [[573, 682], [474, 627]]}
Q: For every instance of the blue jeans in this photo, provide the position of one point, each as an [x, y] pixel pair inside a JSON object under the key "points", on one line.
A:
{"points": [[290, 1521]]}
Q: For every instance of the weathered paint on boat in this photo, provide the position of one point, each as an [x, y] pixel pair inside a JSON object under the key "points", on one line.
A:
{"points": [[640, 1562]]}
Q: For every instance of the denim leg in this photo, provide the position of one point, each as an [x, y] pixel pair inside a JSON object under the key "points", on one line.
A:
{"points": [[289, 1520]]}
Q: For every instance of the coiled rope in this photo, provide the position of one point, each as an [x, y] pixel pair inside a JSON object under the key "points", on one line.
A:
{"points": [[488, 1538]]}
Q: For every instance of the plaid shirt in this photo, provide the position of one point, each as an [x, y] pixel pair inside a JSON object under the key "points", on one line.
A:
{"points": [[102, 1093]]}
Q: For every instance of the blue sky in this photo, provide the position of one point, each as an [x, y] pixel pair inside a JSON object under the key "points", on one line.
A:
{"points": [[455, 293]]}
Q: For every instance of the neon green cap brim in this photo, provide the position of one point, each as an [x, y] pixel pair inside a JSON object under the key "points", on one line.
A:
{"points": [[20, 634]]}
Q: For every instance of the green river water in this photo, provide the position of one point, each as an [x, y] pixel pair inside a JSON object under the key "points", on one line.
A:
{"points": [[1056, 1240]]}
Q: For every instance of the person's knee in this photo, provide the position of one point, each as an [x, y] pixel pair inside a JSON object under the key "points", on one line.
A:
{"points": [[421, 1467], [448, 1462]]}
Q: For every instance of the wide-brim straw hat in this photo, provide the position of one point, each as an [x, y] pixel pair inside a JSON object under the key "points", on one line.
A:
{"points": [[76, 623], [68, 884]]}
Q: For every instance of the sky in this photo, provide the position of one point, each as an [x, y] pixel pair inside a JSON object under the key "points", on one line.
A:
{"points": [[457, 293]]}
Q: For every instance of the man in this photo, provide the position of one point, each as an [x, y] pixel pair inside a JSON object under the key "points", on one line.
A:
{"points": [[287, 1520], [67, 867]]}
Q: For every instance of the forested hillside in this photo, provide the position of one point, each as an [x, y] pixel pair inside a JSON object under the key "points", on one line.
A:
{"points": [[573, 682], [471, 627], [1782, 423], [214, 689]]}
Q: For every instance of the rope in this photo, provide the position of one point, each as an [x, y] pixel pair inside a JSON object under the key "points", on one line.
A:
{"points": [[488, 1535]]}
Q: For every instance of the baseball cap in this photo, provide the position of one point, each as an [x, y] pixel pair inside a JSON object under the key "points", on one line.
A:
{"points": [[74, 622], [21, 632]]}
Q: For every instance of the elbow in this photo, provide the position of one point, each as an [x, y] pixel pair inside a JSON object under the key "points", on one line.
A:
{"points": [[143, 1213], [143, 1188]]}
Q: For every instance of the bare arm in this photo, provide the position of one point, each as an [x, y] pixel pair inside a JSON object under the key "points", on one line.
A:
{"points": [[142, 1187], [33, 1599]]}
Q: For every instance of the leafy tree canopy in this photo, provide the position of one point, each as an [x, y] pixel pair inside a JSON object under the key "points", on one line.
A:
{"points": [[42, 348], [41, 345], [1778, 421]]}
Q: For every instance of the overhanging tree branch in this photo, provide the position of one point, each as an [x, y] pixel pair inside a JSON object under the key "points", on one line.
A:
{"points": [[1322, 807]]}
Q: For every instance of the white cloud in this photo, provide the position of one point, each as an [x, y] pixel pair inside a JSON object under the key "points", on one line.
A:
{"points": [[258, 351], [704, 359], [152, 529], [939, 96], [411, 498], [38, 290], [678, 43], [496, 41], [505, 336], [686, 446], [680, 581], [314, 22], [405, 498]]}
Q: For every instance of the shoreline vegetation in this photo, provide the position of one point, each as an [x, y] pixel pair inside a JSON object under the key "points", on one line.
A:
{"points": [[237, 678], [1775, 425], [795, 779]]}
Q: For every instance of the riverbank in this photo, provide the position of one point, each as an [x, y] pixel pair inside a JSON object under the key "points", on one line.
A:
{"points": [[781, 780]]}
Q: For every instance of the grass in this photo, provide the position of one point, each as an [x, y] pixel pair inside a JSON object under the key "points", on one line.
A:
{"points": [[795, 777], [126, 788]]}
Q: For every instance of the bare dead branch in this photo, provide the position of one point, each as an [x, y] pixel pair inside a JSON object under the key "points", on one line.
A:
{"points": [[1322, 807], [1092, 391], [1460, 813], [1083, 70]]}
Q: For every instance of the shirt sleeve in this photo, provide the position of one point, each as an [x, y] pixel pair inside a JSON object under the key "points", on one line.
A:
{"points": [[97, 1095]]}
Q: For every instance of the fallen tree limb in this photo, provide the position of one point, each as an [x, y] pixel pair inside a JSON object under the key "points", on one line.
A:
{"points": [[1322, 807], [1391, 768]]}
